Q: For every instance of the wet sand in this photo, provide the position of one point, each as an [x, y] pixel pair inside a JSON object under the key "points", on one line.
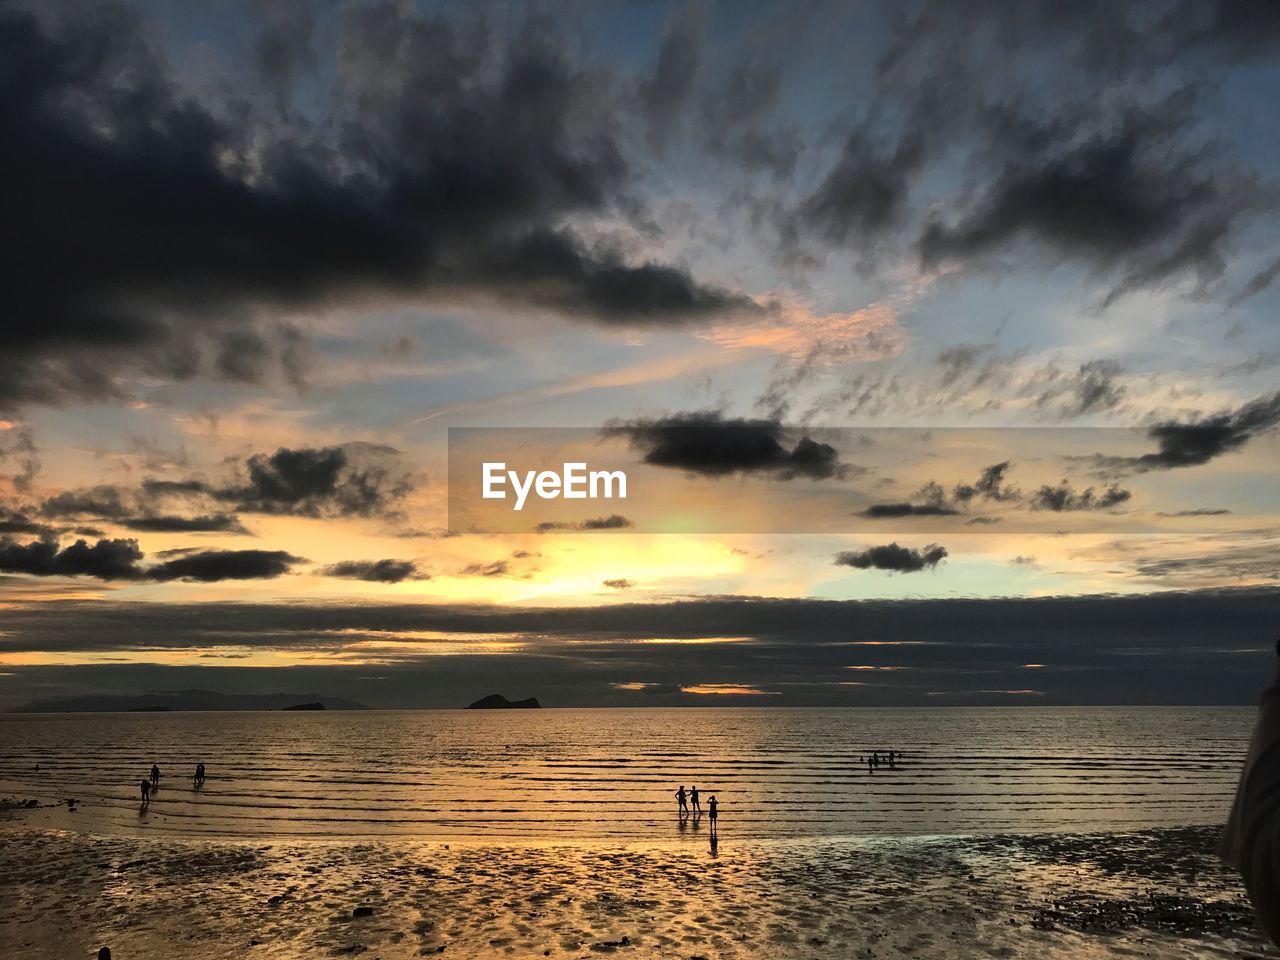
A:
{"points": [[1156, 893]]}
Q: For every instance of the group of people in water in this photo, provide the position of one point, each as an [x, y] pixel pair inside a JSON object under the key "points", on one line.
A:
{"points": [[691, 799], [879, 759], [150, 784]]}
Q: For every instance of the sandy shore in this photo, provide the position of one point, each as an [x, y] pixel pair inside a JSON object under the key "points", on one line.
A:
{"points": [[1154, 893]]}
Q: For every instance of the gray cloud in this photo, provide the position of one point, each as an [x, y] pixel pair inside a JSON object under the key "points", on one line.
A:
{"points": [[105, 560], [114, 560], [893, 557], [712, 445], [1123, 201], [376, 571], [880, 511], [665, 91], [356, 479], [990, 486], [211, 566], [351, 480], [1064, 497], [459, 165], [168, 523], [1196, 443], [1257, 283], [103, 501], [614, 521]]}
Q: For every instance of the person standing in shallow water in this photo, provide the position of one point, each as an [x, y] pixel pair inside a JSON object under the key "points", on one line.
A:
{"points": [[682, 805], [693, 799], [155, 775], [145, 787], [712, 809]]}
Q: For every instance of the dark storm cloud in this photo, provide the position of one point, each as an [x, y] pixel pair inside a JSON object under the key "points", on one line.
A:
{"points": [[1063, 498], [168, 523], [1165, 648], [149, 233], [893, 557], [619, 584], [713, 445], [375, 571], [1196, 443]]}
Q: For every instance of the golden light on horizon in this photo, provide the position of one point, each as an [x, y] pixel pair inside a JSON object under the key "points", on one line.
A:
{"points": [[727, 689]]}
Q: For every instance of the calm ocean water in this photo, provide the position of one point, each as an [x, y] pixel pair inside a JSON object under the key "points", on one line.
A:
{"points": [[611, 773]]}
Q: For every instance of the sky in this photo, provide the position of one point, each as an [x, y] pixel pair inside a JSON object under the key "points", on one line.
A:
{"points": [[938, 341]]}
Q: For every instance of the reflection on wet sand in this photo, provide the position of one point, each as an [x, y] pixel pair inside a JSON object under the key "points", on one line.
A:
{"points": [[1155, 893]]}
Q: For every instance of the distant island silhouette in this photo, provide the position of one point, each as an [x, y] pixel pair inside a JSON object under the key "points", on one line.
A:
{"points": [[496, 701], [189, 700]]}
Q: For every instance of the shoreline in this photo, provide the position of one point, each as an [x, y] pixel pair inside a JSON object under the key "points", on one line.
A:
{"points": [[1159, 892]]}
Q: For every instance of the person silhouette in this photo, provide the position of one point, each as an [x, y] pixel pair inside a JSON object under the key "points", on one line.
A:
{"points": [[712, 808], [693, 799], [104, 953], [682, 805], [155, 775], [145, 787], [198, 778]]}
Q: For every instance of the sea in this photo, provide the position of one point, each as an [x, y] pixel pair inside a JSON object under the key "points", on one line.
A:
{"points": [[591, 774]]}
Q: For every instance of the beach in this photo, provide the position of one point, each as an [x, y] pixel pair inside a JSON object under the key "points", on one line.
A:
{"points": [[997, 833], [1157, 893]]}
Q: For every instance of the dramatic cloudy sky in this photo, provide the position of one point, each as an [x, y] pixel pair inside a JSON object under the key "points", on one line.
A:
{"points": [[263, 255]]}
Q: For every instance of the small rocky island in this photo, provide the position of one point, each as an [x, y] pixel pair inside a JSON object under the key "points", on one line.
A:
{"points": [[496, 701]]}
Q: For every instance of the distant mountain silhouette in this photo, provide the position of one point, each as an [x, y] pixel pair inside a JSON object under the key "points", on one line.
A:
{"points": [[496, 701], [187, 700]]}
